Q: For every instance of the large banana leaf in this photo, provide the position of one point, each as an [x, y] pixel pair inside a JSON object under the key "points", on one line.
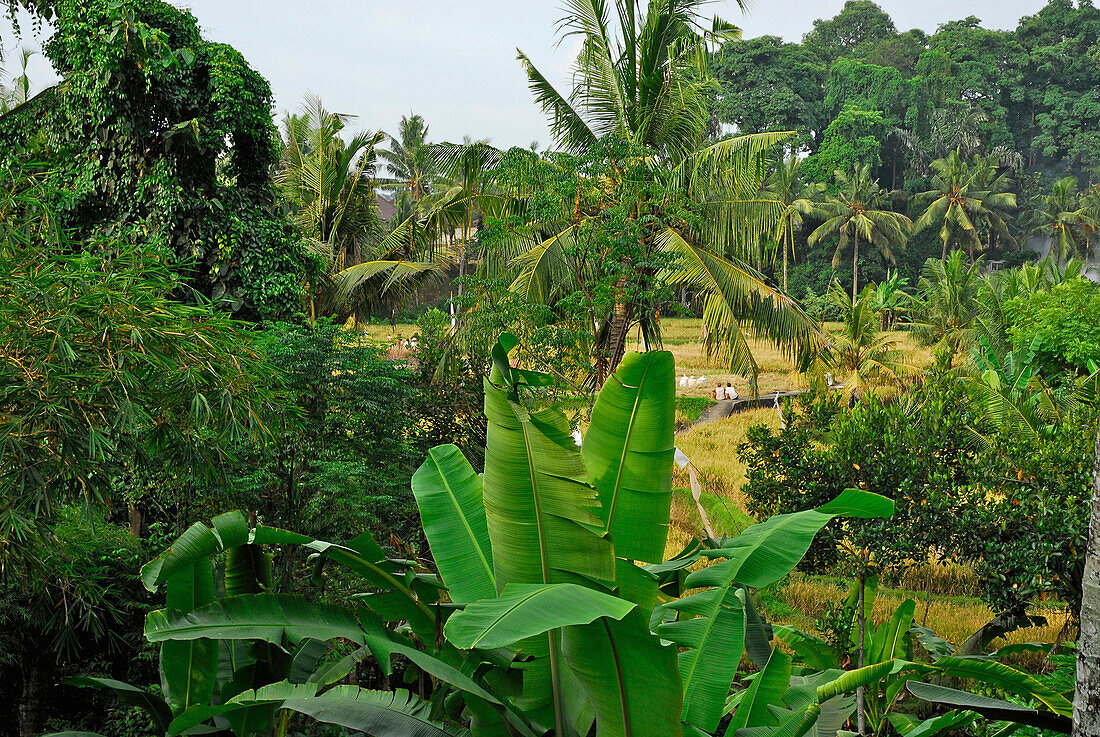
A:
{"points": [[448, 495], [523, 611], [542, 515], [190, 667], [766, 690], [910, 726], [990, 708], [710, 623], [268, 617], [629, 676], [710, 630], [377, 713], [1005, 677], [889, 639], [197, 542], [628, 453]]}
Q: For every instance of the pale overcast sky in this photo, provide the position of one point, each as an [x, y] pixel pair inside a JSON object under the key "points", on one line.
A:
{"points": [[454, 62]]}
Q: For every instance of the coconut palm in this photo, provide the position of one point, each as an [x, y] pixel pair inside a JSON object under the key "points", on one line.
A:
{"points": [[949, 302], [1063, 218], [798, 197], [856, 212], [410, 163], [644, 77], [863, 354], [963, 196], [20, 90], [330, 184]]}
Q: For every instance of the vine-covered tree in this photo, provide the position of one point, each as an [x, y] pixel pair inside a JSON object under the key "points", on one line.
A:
{"points": [[162, 138]]}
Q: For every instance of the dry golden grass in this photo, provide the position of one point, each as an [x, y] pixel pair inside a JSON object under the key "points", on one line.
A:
{"points": [[389, 333], [953, 618]]}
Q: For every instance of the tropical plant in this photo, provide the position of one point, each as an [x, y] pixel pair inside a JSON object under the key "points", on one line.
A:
{"points": [[863, 354], [798, 198], [948, 303], [854, 212], [1063, 219], [891, 299], [410, 163], [555, 553], [964, 196], [645, 80]]}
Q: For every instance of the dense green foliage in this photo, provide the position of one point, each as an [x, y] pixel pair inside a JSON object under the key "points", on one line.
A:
{"points": [[189, 183]]}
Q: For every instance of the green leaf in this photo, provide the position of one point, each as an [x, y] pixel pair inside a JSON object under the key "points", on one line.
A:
{"points": [[629, 676], [197, 542], [989, 707], [628, 452], [1006, 677], [377, 713], [131, 696], [541, 513], [268, 617], [910, 726], [190, 668], [448, 495], [710, 632], [523, 611], [766, 690], [814, 651], [889, 640]]}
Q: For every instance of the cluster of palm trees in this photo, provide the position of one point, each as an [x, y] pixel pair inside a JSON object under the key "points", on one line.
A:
{"points": [[1069, 220]]}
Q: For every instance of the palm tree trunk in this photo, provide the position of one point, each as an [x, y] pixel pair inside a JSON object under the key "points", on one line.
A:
{"points": [[855, 269], [787, 236], [1086, 701], [943, 253]]}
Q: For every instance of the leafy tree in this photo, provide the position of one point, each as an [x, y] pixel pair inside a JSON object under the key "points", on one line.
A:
{"points": [[160, 137], [329, 183], [1064, 320], [344, 444], [862, 354], [1062, 218], [949, 302], [410, 163], [854, 32], [853, 212], [768, 85], [852, 140]]}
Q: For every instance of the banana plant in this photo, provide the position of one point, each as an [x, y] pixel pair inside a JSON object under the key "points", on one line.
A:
{"points": [[890, 660], [551, 609]]}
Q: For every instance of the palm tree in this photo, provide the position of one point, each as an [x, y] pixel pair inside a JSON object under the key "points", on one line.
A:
{"points": [[1062, 217], [798, 198], [862, 353], [330, 185], [855, 213], [410, 163], [20, 90], [645, 79], [963, 196], [949, 302]]}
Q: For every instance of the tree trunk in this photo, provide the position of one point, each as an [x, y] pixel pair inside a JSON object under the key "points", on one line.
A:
{"points": [[37, 669], [1086, 701], [943, 253], [861, 717], [135, 520], [785, 248], [855, 270]]}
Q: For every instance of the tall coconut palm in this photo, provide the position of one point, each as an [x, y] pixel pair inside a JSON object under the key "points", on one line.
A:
{"points": [[965, 195], [643, 76], [799, 199], [411, 164], [1063, 218], [20, 89], [856, 212]]}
